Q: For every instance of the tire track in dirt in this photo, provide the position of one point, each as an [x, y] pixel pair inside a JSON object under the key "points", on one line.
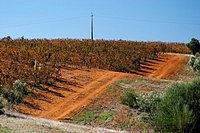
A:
{"points": [[71, 98], [170, 66], [83, 97], [163, 67]]}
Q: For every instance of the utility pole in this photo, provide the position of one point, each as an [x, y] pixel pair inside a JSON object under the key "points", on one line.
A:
{"points": [[92, 27]]}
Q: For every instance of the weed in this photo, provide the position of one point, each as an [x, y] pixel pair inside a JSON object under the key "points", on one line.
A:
{"points": [[87, 116], [130, 98], [107, 116]]}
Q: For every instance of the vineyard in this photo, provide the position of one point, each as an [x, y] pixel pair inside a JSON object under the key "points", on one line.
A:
{"points": [[39, 61]]}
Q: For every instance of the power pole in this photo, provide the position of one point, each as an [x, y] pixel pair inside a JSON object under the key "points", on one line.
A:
{"points": [[92, 27]]}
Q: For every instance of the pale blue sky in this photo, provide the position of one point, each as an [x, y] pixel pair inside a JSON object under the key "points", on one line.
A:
{"points": [[136, 20]]}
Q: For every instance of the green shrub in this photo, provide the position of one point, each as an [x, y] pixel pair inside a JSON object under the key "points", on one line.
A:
{"points": [[196, 65], [179, 109], [87, 116], [20, 87], [147, 103], [194, 62], [194, 46], [107, 116], [130, 98], [16, 95]]}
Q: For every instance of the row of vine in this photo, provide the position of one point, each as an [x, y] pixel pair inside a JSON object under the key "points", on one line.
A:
{"points": [[38, 61]]}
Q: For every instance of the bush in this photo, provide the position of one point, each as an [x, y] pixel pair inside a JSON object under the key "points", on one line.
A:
{"points": [[194, 62], [144, 103], [194, 46], [130, 98], [20, 87], [176, 110], [196, 66], [16, 95], [179, 110], [148, 102]]}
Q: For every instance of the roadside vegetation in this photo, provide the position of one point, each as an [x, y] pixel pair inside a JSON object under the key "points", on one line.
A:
{"points": [[144, 104], [169, 106], [128, 113], [177, 108]]}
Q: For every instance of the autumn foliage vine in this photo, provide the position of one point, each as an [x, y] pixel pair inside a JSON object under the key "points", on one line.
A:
{"points": [[38, 61]]}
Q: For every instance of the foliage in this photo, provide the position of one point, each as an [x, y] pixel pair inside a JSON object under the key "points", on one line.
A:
{"points": [[16, 94], [194, 46], [148, 102], [179, 110], [20, 87], [87, 116], [107, 116], [194, 62], [38, 61], [100, 117], [144, 103], [176, 110], [130, 98]]}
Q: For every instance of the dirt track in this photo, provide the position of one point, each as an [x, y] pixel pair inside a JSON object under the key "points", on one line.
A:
{"points": [[79, 87], [81, 98], [165, 66]]}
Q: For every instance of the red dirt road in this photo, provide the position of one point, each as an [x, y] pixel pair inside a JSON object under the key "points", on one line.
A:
{"points": [[82, 97], [78, 87], [164, 66]]}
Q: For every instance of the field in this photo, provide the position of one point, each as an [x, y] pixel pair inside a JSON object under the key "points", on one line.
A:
{"points": [[84, 88], [94, 91]]}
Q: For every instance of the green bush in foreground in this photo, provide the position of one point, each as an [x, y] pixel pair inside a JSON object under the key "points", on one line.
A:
{"points": [[144, 103], [179, 110], [148, 102]]}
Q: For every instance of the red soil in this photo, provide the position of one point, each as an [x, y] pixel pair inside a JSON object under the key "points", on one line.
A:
{"points": [[79, 86], [164, 66]]}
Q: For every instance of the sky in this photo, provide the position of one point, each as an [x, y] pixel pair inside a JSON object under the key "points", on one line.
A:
{"points": [[135, 20]]}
